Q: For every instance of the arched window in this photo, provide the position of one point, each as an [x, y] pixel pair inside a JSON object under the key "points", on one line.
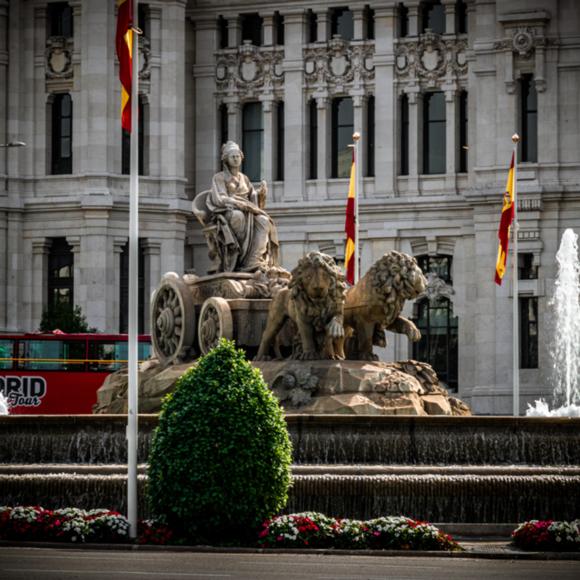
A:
{"points": [[62, 119], [438, 325], [342, 129]]}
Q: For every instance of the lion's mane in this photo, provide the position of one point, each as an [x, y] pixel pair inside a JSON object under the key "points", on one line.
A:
{"points": [[321, 310], [393, 280]]}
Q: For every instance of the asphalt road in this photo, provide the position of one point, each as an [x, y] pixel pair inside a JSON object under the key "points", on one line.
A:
{"points": [[33, 563]]}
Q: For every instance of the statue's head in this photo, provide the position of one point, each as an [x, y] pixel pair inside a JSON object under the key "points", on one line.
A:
{"points": [[232, 155]]}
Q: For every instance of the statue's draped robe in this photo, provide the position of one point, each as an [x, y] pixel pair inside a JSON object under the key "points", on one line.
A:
{"points": [[248, 241]]}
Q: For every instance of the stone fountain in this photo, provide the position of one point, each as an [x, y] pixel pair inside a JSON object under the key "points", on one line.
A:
{"points": [[369, 438]]}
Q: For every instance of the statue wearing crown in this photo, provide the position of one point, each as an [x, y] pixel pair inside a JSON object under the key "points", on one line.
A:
{"points": [[241, 236]]}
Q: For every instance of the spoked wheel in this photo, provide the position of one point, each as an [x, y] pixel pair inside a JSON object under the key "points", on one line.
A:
{"points": [[215, 322], [172, 319]]}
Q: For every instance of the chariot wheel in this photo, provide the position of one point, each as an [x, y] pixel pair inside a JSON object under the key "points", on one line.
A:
{"points": [[215, 322], [172, 319]]}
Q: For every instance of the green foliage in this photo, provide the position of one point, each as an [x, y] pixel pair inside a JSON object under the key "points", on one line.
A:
{"points": [[64, 317], [220, 457]]}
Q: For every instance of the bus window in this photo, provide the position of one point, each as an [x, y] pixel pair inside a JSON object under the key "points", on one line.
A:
{"points": [[6, 350], [51, 355], [111, 356]]}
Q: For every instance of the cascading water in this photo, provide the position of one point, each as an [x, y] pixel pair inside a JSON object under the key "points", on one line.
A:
{"points": [[4, 409], [565, 350]]}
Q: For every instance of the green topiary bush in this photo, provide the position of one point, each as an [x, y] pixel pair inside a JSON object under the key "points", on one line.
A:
{"points": [[220, 457]]}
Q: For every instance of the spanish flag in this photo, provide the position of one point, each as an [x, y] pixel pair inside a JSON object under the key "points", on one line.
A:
{"points": [[350, 226], [124, 42], [507, 217]]}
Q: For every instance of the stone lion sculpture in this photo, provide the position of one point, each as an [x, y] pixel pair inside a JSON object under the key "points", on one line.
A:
{"points": [[375, 303], [314, 301]]}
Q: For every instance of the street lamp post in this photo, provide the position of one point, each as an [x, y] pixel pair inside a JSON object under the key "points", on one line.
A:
{"points": [[13, 144]]}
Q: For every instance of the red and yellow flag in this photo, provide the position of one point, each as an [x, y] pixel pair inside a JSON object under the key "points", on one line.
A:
{"points": [[124, 42], [507, 217], [349, 226]]}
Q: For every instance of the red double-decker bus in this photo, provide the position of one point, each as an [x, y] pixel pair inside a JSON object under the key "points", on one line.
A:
{"points": [[57, 373]]}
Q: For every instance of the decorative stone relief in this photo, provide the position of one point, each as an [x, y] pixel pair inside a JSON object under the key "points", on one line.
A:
{"points": [[436, 288], [523, 41], [144, 58], [430, 58], [339, 64], [58, 56], [249, 69]]}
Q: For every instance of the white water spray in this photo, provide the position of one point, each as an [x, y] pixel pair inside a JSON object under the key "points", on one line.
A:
{"points": [[4, 409], [565, 351]]}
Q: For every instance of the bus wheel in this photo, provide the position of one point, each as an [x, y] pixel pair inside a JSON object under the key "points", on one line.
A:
{"points": [[215, 322], [172, 320]]}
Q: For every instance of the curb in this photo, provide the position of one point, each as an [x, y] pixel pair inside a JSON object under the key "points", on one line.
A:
{"points": [[505, 552]]}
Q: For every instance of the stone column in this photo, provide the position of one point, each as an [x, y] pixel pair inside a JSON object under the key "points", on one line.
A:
{"points": [[451, 130], [358, 18], [75, 243], [155, 131], [234, 120], [413, 15], [3, 106], [14, 268], [323, 26], [40, 250], [234, 30], [415, 139], [172, 111], [268, 143], [151, 277], [118, 245], [385, 103], [449, 6], [323, 145], [207, 145], [359, 110], [268, 28], [294, 107], [39, 143]]}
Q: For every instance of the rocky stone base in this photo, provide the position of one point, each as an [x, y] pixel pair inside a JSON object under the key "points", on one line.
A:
{"points": [[309, 387]]}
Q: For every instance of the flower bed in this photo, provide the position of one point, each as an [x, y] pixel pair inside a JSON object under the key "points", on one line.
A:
{"points": [[304, 530], [317, 530], [547, 535]]}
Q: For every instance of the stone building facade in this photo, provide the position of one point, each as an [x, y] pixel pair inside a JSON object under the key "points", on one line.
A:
{"points": [[435, 87]]}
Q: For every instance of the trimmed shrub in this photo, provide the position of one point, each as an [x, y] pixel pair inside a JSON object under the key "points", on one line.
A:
{"points": [[220, 456]]}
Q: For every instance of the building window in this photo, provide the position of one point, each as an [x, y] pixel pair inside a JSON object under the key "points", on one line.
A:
{"points": [[278, 29], [61, 158], [404, 136], [312, 26], [222, 26], [438, 325], [60, 273], [280, 141], [223, 120], [342, 23], [60, 19], [461, 17], [369, 20], [434, 133], [143, 18], [433, 17], [313, 139], [126, 144], [529, 119], [124, 290], [252, 28], [342, 130], [403, 20], [370, 152], [529, 332], [527, 269], [252, 133], [463, 144]]}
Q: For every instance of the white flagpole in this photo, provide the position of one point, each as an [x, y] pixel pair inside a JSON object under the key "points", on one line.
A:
{"points": [[515, 285], [357, 191], [133, 394]]}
